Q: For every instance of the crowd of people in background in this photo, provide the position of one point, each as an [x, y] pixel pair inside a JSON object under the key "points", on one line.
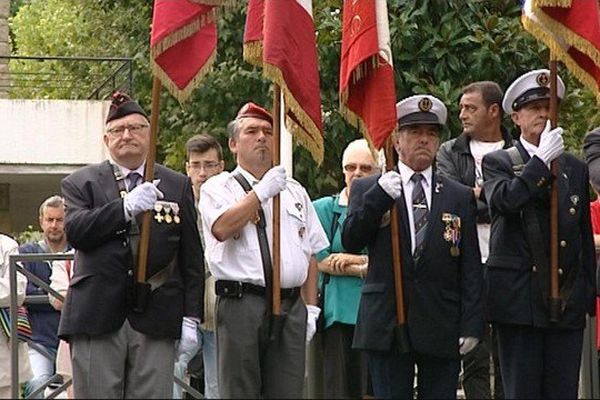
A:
{"points": [[472, 215]]}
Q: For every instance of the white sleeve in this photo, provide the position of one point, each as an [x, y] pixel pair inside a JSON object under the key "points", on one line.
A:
{"points": [[8, 247]]}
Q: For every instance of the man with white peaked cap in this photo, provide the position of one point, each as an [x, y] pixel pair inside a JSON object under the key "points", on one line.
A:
{"points": [[538, 358], [441, 264]]}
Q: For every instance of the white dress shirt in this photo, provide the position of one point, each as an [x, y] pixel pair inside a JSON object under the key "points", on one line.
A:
{"points": [[407, 187], [238, 258]]}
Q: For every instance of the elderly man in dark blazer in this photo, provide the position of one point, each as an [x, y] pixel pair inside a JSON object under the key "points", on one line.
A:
{"points": [[539, 358], [120, 350], [441, 265]]}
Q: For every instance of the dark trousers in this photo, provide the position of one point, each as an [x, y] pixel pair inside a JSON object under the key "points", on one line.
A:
{"points": [[249, 364], [476, 369], [539, 363], [344, 368], [393, 375]]}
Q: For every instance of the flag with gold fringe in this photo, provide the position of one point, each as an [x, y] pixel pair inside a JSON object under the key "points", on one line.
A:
{"points": [[571, 29], [280, 38], [367, 85], [183, 43]]}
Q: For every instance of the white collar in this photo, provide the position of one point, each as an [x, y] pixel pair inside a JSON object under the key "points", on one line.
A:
{"points": [[252, 180], [406, 173], [530, 148], [127, 171]]}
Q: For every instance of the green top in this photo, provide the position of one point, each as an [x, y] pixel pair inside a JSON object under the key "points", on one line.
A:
{"points": [[342, 293]]}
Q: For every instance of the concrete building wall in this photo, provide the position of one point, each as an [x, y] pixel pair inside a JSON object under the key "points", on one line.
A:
{"points": [[42, 142]]}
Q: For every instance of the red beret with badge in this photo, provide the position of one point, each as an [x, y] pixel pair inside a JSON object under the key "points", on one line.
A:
{"points": [[251, 110]]}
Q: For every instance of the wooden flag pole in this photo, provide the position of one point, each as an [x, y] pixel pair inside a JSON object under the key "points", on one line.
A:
{"points": [[276, 204], [401, 329], [142, 288], [555, 301]]}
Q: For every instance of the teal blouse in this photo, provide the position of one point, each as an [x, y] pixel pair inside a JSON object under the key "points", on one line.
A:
{"points": [[342, 293]]}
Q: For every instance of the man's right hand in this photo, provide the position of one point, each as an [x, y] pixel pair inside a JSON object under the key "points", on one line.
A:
{"points": [[391, 183], [272, 182], [141, 198], [551, 144]]}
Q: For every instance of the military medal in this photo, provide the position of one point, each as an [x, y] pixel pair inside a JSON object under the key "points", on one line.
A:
{"points": [[452, 232], [168, 217], [176, 218], [158, 215]]}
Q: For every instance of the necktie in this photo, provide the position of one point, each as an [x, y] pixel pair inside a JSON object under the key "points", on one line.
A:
{"points": [[133, 179], [420, 214]]}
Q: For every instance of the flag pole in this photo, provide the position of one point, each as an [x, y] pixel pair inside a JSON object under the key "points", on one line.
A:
{"points": [[401, 329], [142, 288], [555, 300], [276, 204]]}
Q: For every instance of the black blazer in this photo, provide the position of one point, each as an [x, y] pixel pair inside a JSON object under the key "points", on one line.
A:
{"points": [[100, 293], [514, 283], [442, 293]]}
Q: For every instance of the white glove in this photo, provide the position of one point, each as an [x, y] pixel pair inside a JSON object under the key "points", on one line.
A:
{"points": [[466, 344], [272, 182], [189, 338], [311, 321], [551, 144], [391, 183], [141, 198]]}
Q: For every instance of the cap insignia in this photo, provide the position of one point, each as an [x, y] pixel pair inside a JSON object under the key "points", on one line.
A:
{"points": [[425, 104], [543, 79]]}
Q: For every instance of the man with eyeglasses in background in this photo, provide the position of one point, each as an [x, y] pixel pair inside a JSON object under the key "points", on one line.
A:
{"points": [[204, 159], [119, 351]]}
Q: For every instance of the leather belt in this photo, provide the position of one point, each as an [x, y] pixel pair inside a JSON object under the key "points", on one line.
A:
{"points": [[237, 289]]}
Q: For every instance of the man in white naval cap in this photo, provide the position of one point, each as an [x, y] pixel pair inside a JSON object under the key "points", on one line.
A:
{"points": [[538, 358], [441, 265]]}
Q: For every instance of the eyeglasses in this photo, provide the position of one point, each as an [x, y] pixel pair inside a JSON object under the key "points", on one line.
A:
{"points": [[134, 129], [209, 165], [364, 168]]}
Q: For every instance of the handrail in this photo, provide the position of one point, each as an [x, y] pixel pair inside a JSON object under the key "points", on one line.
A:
{"points": [[16, 265], [119, 77]]}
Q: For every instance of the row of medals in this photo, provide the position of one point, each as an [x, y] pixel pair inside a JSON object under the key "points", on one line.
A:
{"points": [[169, 212]]}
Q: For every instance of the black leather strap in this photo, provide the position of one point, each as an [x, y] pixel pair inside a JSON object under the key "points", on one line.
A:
{"points": [[263, 241]]}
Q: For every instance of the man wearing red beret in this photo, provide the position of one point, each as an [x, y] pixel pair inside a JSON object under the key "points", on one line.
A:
{"points": [[119, 351], [237, 217]]}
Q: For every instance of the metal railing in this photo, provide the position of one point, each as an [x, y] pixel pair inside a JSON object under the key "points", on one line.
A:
{"points": [[66, 77], [15, 265]]}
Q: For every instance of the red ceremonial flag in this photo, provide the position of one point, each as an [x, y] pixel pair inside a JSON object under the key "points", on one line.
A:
{"points": [[571, 29], [280, 38], [367, 88], [183, 44]]}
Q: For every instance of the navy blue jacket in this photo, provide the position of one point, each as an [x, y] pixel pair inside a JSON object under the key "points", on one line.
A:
{"points": [[517, 288], [42, 317], [442, 291]]}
